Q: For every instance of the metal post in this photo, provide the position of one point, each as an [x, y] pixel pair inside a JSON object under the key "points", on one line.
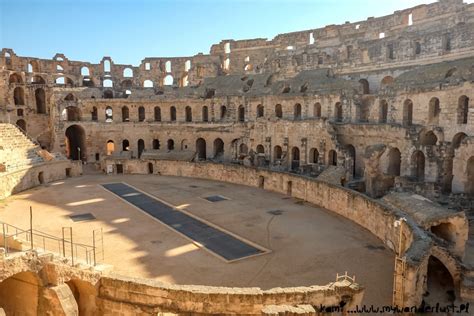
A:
{"points": [[64, 246], [72, 248], [5, 239], [102, 240], [31, 226], [93, 244]]}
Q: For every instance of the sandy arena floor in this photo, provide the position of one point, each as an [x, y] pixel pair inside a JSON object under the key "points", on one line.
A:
{"points": [[309, 244]]}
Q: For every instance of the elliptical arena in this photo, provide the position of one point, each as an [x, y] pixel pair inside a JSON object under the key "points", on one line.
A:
{"points": [[341, 159]]}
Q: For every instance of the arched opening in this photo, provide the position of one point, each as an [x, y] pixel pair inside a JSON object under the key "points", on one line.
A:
{"points": [[383, 111], [188, 114], [141, 114], [457, 140], [157, 113], [88, 82], [150, 168], [434, 111], [85, 71], [19, 294], [295, 158], [41, 177], [223, 112], [260, 111], [241, 117], [332, 157], [184, 144], [260, 149], [15, 78], [19, 96], [317, 110], [172, 114], [469, 186], [277, 153], [125, 145], [156, 144], [21, 124], [261, 182], [205, 114], [75, 143], [94, 114], [407, 112], [388, 80], [127, 73], [439, 284], [125, 114], [278, 111], [108, 94], [70, 97], [147, 84], [40, 99], [73, 113], [352, 154], [313, 155], [446, 231], [168, 80], [463, 109], [170, 144], [84, 292], [418, 165], [109, 114], [218, 148], [364, 86], [201, 149], [428, 138], [110, 147], [297, 111], [394, 162], [37, 79], [338, 112], [141, 147]]}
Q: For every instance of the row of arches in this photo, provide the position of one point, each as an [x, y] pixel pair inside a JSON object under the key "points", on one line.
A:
{"points": [[40, 99]]}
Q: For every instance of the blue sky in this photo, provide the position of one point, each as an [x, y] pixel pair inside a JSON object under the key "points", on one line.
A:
{"points": [[130, 30]]}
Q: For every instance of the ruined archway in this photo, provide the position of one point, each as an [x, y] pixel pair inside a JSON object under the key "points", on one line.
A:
{"points": [[141, 147], [469, 187], [19, 294], [40, 99], [85, 295], [394, 162], [418, 165], [407, 112], [295, 158], [439, 284], [201, 149], [75, 143], [218, 148]]}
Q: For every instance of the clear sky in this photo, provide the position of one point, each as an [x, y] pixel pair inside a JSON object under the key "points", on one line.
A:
{"points": [[129, 30]]}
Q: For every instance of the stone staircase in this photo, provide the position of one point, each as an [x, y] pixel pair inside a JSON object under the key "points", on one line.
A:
{"points": [[17, 150]]}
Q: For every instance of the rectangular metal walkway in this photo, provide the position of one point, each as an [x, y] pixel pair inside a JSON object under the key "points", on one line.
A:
{"points": [[221, 243]]}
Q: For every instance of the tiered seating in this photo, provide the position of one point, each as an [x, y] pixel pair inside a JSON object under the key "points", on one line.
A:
{"points": [[17, 151]]}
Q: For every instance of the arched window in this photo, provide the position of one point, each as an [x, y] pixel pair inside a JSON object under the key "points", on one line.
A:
{"points": [[297, 111], [172, 114], [295, 158], [107, 83], [106, 65], [108, 114], [188, 114], [19, 96], [141, 114], [168, 66], [332, 157], [148, 84], [260, 111], [407, 112], [125, 114], [125, 145], [110, 147], [85, 71], [141, 147], [383, 111], [94, 114], [317, 110], [394, 162], [168, 80], [241, 113], [223, 112], [277, 152], [40, 99], [205, 114], [243, 149], [218, 148], [15, 78], [433, 111], [157, 112], [338, 112], [428, 138], [170, 144], [127, 73], [313, 155], [463, 109], [156, 144], [364, 86], [260, 149], [278, 111]]}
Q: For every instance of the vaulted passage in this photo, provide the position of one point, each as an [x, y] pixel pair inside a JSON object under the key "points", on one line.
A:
{"points": [[215, 240], [19, 294], [75, 143]]}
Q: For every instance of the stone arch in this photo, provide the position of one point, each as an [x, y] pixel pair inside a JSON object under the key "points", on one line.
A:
{"points": [[332, 157], [457, 140], [73, 113], [352, 154], [317, 110], [156, 144], [141, 114], [94, 114], [295, 158], [383, 111], [241, 113], [387, 80], [277, 152], [37, 79], [19, 96], [469, 186], [19, 294], [188, 114], [439, 282], [125, 145], [418, 165], [172, 114], [313, 155], [260, 111], [428, 138], [223, 112], [110, 147], [364, 86], [170, 144], [85, 295], [338, 112], [109, 114], [15, 78], [201, 148], [157, 113], [243, 149], [463, 109], [76, 143], [125, 114], [141, 147], [394, 162], [260, 149], [205, 114], [407, 112], [218, 148], [297, 111], [278, 111], [40, 99]]}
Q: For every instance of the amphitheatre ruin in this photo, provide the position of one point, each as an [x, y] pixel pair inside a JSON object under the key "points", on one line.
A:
{"points": [[330, 167]]}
